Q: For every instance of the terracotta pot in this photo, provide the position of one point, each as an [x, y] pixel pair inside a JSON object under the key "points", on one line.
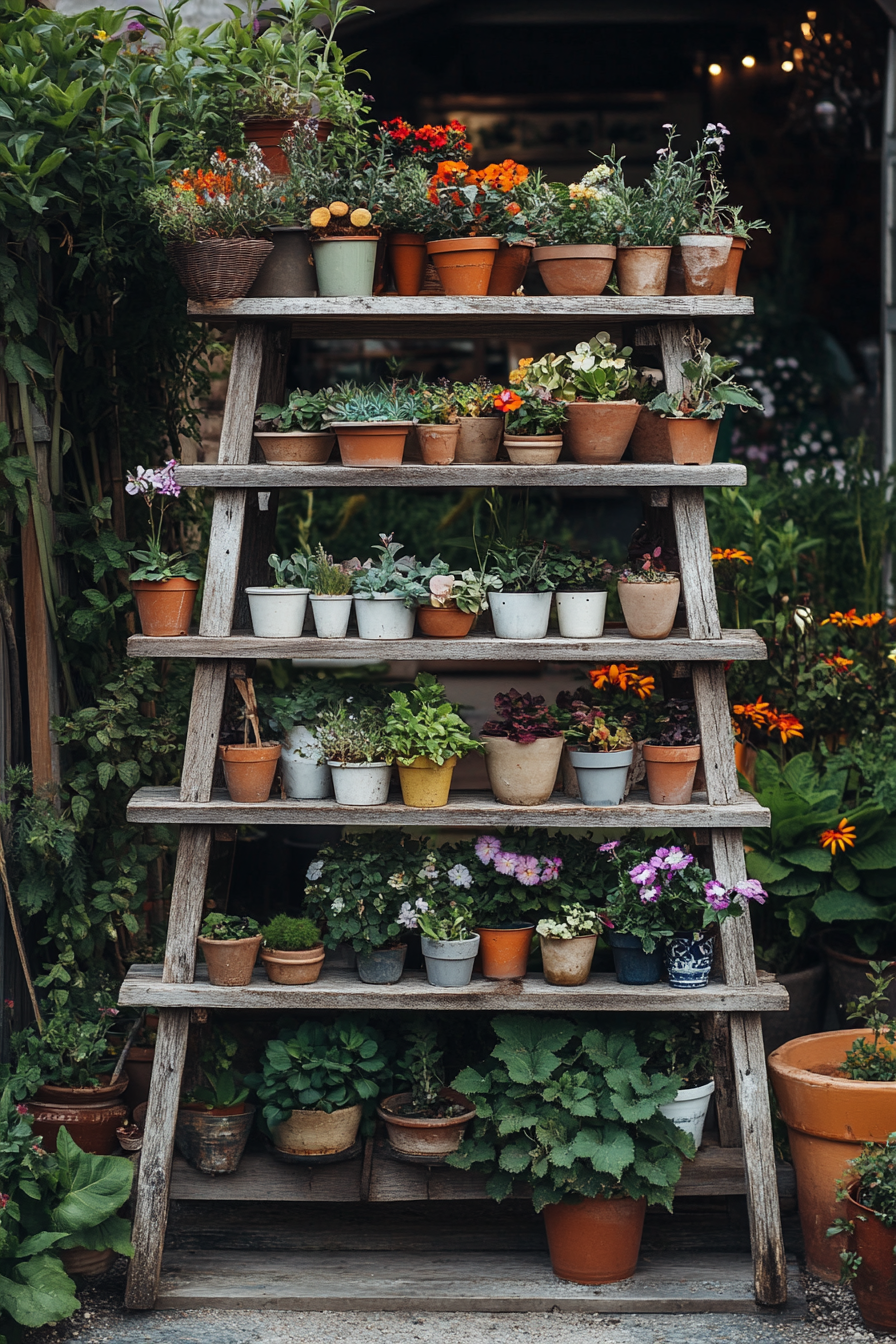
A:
{"points": [[504, 951], [210, 1142], [649, 608], [268, 132], [828, 1119], [420, 1137], [315, 1133], [599, 431], [509, 271], [293, 968], [522, 774], [372, 445], [287, 272], [296, 446], [438, 444], [425, 784], [445, 622], [745, 763], [90, 1114], [596, 1240], [407, 260], [464, 264], [704, 258], [249, 771], [650, 438], [685, 442], [165, 608], [89, 1263], [849, 978], [575, 268], [230, 961], [670, 773], [805, 1016], [675, 281], [479, 438], [642, 270], [130, 1137], [533, 450], [732, 271], [567, 961], [875, 1281]]}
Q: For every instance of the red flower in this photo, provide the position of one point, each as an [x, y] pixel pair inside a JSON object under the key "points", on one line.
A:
{"points": [[507, 401]]}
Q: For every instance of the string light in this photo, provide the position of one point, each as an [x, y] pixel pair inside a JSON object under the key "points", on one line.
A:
{"points": [[806, 30], [787, 66], [748, 61], [714, 68], [812, 14]]}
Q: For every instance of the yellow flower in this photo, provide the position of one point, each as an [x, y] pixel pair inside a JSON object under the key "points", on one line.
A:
{"points": [[101, 35], [515, 376]]}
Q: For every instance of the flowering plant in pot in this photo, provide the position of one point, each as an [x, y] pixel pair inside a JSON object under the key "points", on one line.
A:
{"points": [[479, 419], [354, 890], [581, 594], [555, 1110], [522, 749], [429, 1119], [426, 735], [649, 218], [387, 591], [704, 230], [648, 595], [533, 425], [295, 431], [527, 575], [596, 380], [165, 583], [437, 423], [230, 945], [278, 610], [454, 601], [869, 1191], [575, 229], [407, 216], [292, 952], [677, 1046], [475, 211], [354, 744], [692, 417], [672, 755], [426, 145], [319, 1082], [601, 751], [568, 940], [443, 917], [371, 423]]}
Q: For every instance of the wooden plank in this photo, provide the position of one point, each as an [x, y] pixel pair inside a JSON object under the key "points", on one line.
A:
{"points": [[521, 1281], [413, 475], [41, 666], [203, 731], [261, 1177], [717, 1027], [694, 551], [470, 312], [675, 347], [187, 897], [716, 737], [343, 991], [613, 646]]}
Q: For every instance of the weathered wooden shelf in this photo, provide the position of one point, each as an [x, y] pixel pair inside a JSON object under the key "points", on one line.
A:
{"points": [[614, 646], [344, 991], [414, 475]]}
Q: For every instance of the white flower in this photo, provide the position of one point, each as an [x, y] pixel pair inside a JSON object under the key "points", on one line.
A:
{"points": [[396, 881], [421, 905], [406, 917], [314, 871], [459, 876], [337, 906], [428, 873]]}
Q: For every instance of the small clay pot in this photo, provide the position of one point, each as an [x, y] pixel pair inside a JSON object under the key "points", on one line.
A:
{"points": [[598, 431], [595, 1240], [464, 264], [296, 446], [670, 773], [689, 441], [875, 1281], [642, 270], [293, 968], [369, 444], [268, 132], [522, 774], [567, 961], [704, 258], [230, 961], [438, 444], [445, 622], [533, 450], [479, 438], [425, 784], [407, 260], [509, 271], [575, 268], [505, 950], [732, 271], [165, 609], [316, 1133], [88, 1263], [418, 1136], [249, 771], [649, 608]]}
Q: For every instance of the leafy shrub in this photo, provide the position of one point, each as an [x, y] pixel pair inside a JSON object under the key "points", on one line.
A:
{"points": [[223, 927], [424, 723], [322, 1068], [287, 934]]}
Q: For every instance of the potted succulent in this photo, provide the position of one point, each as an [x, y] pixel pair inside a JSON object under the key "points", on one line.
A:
{"points": [[317, 1082], [601, 751], [522, 749], [164, 584], [445, 924], [292, 952], [371, 423], [213, 1120], [526, 575], [568, 940], [354, 745], [676, 1046], [429, 1119], [869, 1192], [649, 597], [581, 595], [278, 611], [213, 221], [426, 736], [671, 756], [437, 424], [683, 427], [555, 1139], [331, 594], [230, 945], [576, 233], [295, 432], [454, 600], [480, 421], [533, 425], [386, 593], [293, 714]]}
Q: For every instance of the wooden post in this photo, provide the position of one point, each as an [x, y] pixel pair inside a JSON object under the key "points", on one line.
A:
{"points": [[41, 663]]}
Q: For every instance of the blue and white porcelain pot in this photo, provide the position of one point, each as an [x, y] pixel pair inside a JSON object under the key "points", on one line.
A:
{"points": [[689, 959]]}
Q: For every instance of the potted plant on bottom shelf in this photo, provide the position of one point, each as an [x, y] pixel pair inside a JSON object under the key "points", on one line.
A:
{"points": [[331, 595], [318, 1082], [682, 427], [295, 431], [592, 1158], [522, 749], [445, 923], [426, 736], [481, 424], [387, 591], [214, 1122], [533, 425], [292, 952], [230, 945], [677, 1046], [526, 576], [371, 423], [568, 940], [429, 1120], [453, 602], [581, 595], [354, 745], [278, 611], [671, 756], [868, 1191], [164, 584], [601, 752], [648, 595]]}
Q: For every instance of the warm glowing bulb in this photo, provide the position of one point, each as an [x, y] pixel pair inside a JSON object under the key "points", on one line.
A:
{"points": [[806, 30], [812, 14], [748, 61], [787, 66], [715, 68]]}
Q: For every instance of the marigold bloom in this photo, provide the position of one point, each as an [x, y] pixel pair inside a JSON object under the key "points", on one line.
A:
{"points": [[756, 711], [873, 618], [507, 401], [729, 553], [839, 664], [788, 725], [844, 619], [624, 675], [841, 837]]}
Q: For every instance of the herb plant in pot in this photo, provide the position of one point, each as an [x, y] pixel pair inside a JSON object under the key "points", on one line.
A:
{"points": [[331, 595], [526, 576], [676, 1046], [445, 924], [870, 1224], [522, 749], [371, 423], [278, 611], [213, 1120], [554, 1130], [568, 940], [582, 595], [601, 752], [386, 592], [230, 945], [406, 216], [354, 745], [317, 1082], [437, 425], [671, 757], [453, 601], [293, 713], [533, 425], [683, 427], [480, 423], [649, 597], [295, 432], [426, 736], [428, 1120], [648, 216], [576, 233], [164, 584], [292, 953]]}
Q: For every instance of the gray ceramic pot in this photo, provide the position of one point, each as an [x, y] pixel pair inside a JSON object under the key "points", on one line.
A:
{"points": [[449, 963], [382, 967]]}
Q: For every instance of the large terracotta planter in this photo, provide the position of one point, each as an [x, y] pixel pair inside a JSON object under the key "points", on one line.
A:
{"points": [[296, 446], [464, 264], [317, 1133], [90, 1114], [685, 442], [407, 259], [649, 608], [425, 784], [417, 1136], [599, 431], [567, 961], [849, 978], [704, 259], [268, 132], [139, 1062], [596, 1240], [533, 450], [504, 951], [438, 444], [445, 622], [293, 968], [249, 771], [213, 1143], [165, 609], [522, 774], [732, 270], [372, 444], [230, 961], [828, 1119], [670, 773], [642, 270], [479, 438], [575, 268], [875, 1281], [805, 1016], [509, 271]]}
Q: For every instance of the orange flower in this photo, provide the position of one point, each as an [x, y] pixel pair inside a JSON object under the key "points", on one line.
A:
{"points": [[514, 208], [873, 618], [840, 837], [446, 172], [718, 555], [838, 663], [507, 401], [788, 725], [756, 712], [625, 676], [844, 618]]}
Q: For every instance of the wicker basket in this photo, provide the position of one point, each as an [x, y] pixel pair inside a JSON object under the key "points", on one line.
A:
{"points": [[218, 268]]}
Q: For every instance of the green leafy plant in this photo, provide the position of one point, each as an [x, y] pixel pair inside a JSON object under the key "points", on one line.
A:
{"points": [[222, 1089], [352, 736], [421, 1068], [225, 927], [525, 568], [405, 203], [384, 403], [312, 693], [423, 722], [579, 572], [354, 889], [302, 411], [584, 212], [296, 571], [330, 579], [871, 1180], [467, 591], [286, 933], [435, 404], [677, 1046], [709, 389], [597, 370], [589, 730], [531, 410], [322, 1067], [874, 1060], [70, 1052], [391, 573]]}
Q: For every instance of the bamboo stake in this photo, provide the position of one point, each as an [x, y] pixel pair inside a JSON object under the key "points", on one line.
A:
{"points": [[247, 690], [17, 932], [132, 1036]]}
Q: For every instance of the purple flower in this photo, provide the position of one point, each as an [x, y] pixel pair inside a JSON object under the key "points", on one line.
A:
{"points": [[407, 917], [714, 888], [163, 480], [642, 874], [527, 871], [135, 27], [649, 895], [751, 891], [506, 864], [108, 1012], [718, 900], [550, 868], [609, 848], [256, 27], [141, 481], [676, 860], [487, 847]]}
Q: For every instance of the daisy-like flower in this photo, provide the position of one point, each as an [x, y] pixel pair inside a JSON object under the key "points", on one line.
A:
{"points": [[751, 890], [610, 847], [837, 663], [406, 916], [844, 618], [421, 905], [141, 481], [527, 870], [459, 876], [841, 838], [507, 401], [487, 848], [625, 676], [506, 864], [396, 882], [756, 711], [787, 725], [550, 868], [337, 906], [315, 871], [731, 554]]}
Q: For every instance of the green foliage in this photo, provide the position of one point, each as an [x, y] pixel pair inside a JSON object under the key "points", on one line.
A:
{"points": [[302, 411], [423, 722], [709, 389], [875, 1170], [391, 573], [597, 370], [533, 411], [330, 579], [222, 928], [571, 921], [322, 1068], [284, 933], [223, 1089], [385, 402], [421, 1068], [351, 736], [874, 1060], [529, 567], [309, 693], [354, 889], [676, 1045], [71, 1051]]}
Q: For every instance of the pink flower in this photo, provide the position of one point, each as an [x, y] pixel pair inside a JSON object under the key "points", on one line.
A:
{"points": [[506, 863], [4, 1200], [441, 587], [550, 868], [609, 848], [641, 874], [9, 1003], [22, 1108], [649, 895], [751, 891], [487, 848], [141, 481], [108, 1012], [527, 871]]}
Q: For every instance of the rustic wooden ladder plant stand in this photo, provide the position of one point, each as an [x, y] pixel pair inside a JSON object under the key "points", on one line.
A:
{"points": [[243, 520]]}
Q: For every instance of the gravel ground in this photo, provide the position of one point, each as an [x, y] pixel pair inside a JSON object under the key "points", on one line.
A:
{"points": [[832, 1318]]}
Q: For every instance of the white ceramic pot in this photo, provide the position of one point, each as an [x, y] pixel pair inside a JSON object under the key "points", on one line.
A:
{"points": [[688, 1110], [361, 785], [304, 774], [520, 615], [581, 615], [277, 613], [601, 775], [384, 616], [331, 615]]}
